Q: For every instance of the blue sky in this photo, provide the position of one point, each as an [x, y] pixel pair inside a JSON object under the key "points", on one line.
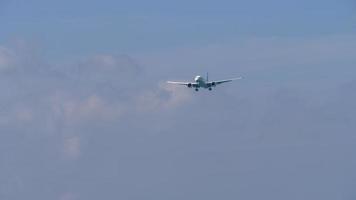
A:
{"points": [[85, 112], [145, 26]]}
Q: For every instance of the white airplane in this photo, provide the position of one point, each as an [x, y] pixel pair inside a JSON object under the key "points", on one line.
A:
{"points": [[200, 82]]}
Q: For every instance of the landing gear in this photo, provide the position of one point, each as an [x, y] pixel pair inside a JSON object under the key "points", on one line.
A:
{"points": [[210, 88], [196, 89]]}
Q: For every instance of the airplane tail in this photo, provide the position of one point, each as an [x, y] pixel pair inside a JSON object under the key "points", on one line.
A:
{"points": [[207, 77]]}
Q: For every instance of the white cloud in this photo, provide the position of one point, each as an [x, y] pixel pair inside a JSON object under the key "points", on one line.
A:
{"points": [[68, 196], [93, 107], [24, 114], [165, 97], [108, 68], [7, 58], [72, 147], [72, 102]]}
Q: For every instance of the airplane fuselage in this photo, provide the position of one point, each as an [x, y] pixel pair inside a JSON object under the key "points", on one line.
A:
{"points": [[201, 83]]}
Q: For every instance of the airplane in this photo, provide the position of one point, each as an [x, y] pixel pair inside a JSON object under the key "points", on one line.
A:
{"points": [[200, 82]]}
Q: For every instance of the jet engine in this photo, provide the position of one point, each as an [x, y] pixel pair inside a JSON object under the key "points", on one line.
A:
{"points": [[189, 85], [213, 84]]}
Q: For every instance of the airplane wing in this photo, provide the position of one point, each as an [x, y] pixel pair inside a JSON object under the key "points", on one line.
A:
{"points": [[214, 83], [188, 84]]}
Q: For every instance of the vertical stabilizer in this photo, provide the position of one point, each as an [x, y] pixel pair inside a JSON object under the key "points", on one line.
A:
{"points": [[207, 77]]}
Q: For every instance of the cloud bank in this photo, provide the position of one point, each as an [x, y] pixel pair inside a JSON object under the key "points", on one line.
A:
{"points": [[108, 126]]}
